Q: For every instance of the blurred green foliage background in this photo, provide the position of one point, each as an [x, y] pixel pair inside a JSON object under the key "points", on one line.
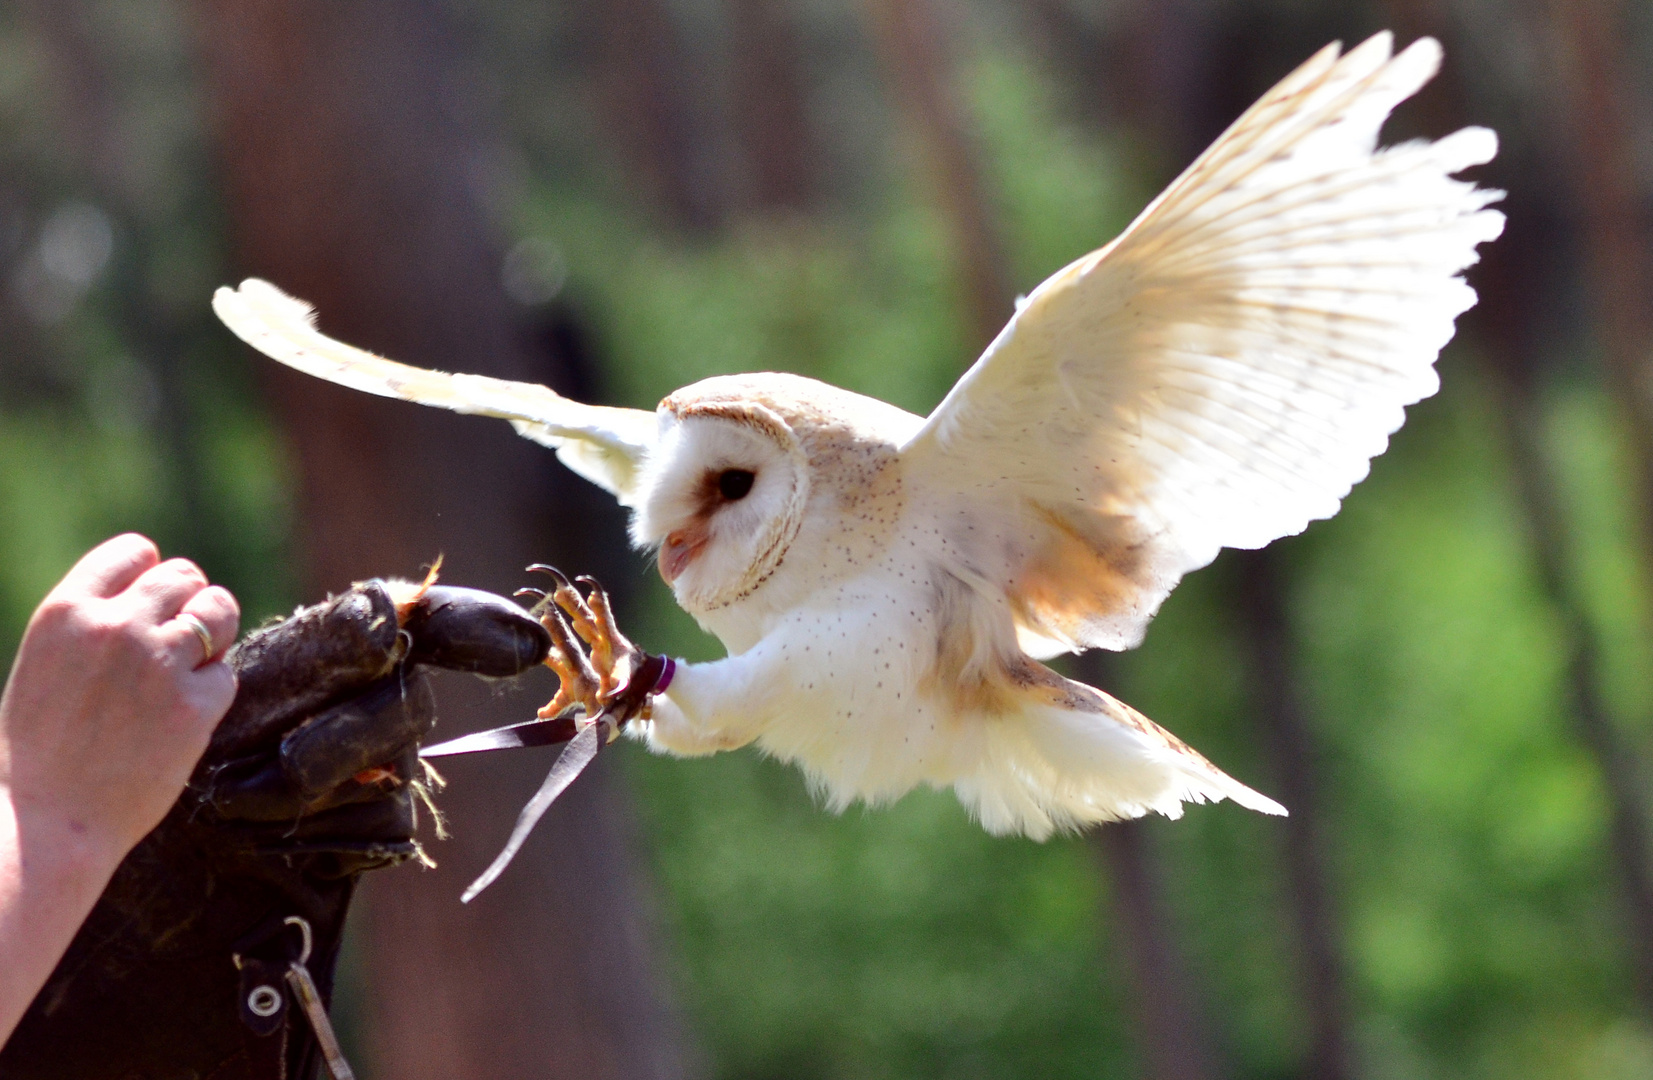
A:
{"points": [[1466, 827]]}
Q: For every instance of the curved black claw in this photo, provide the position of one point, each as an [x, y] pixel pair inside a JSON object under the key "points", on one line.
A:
{"points": [[546, 568]]}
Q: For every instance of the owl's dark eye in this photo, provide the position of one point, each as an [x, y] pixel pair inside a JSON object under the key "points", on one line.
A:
{"points": [[733, 484]]}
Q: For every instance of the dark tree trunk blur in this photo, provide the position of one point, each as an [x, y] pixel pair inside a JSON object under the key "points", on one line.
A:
{"points": [[1171, 1032], [1521, 412], [1513, 288], [647, 94], [352, 159], [1289, 741], [912, 45], [1619, 275], [1519, 279], [771, 106], [1602, 142], [1173, 1035], [1151, 71]]}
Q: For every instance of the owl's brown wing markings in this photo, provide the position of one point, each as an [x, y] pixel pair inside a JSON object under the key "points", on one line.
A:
{"points": [[605, 445], [1223, 372]]}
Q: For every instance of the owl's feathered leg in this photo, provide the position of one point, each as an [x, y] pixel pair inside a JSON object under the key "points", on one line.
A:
{"points": [[722, 704]]}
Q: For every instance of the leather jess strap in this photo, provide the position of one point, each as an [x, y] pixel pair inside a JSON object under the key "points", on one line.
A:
{"points": [[654, 673]]}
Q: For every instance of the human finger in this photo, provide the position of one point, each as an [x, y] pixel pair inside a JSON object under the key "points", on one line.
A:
{"points": [[111, 567], [160, 592], [210, 690], [206, 625]]}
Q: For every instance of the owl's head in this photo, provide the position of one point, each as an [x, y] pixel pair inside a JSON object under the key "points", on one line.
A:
{"points": [[752, 470], [723, 495]]}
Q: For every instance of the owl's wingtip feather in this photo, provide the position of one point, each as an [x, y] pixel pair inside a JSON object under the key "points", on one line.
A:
{"points": [[257, 304], [1426, 47], [1263, 804]]}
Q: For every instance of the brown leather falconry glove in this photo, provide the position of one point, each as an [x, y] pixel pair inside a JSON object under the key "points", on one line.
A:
{"points": [[200, 956]]}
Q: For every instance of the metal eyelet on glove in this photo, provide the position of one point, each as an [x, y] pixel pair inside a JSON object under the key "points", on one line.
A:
{"points": [[265, 1000], [266, 1003]]}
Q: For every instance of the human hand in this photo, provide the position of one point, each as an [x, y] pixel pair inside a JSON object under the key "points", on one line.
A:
{"points": [[112, 698], [109, 705]]}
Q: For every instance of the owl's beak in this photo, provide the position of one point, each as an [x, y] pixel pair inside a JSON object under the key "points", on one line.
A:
{"points": [[679, 550]]}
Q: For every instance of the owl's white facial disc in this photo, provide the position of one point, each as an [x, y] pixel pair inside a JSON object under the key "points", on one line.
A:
{"points": [[724, 494]]}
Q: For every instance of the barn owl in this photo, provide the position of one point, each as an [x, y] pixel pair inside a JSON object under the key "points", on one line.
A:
{"points": [[886, 584]]}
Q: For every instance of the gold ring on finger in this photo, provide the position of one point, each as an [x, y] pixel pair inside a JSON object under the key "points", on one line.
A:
{"points": [[208, 648]]}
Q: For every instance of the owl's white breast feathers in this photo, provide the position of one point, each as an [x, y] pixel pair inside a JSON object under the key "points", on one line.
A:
{"points": [[1221, 374], [605, 445], [902, 675]]}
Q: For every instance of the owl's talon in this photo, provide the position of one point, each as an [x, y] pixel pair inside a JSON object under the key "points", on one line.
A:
{"points": [[595, 663], [564, 592], [590, 631], [579, 614], [578, 682], [614, 648]]}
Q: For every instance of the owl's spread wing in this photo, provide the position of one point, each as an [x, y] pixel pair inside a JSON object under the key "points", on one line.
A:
{"points": [[1223, 372], [604, 445]]}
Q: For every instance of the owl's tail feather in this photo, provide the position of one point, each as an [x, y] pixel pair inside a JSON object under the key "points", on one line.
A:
{"points": [[1057, 769]]}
